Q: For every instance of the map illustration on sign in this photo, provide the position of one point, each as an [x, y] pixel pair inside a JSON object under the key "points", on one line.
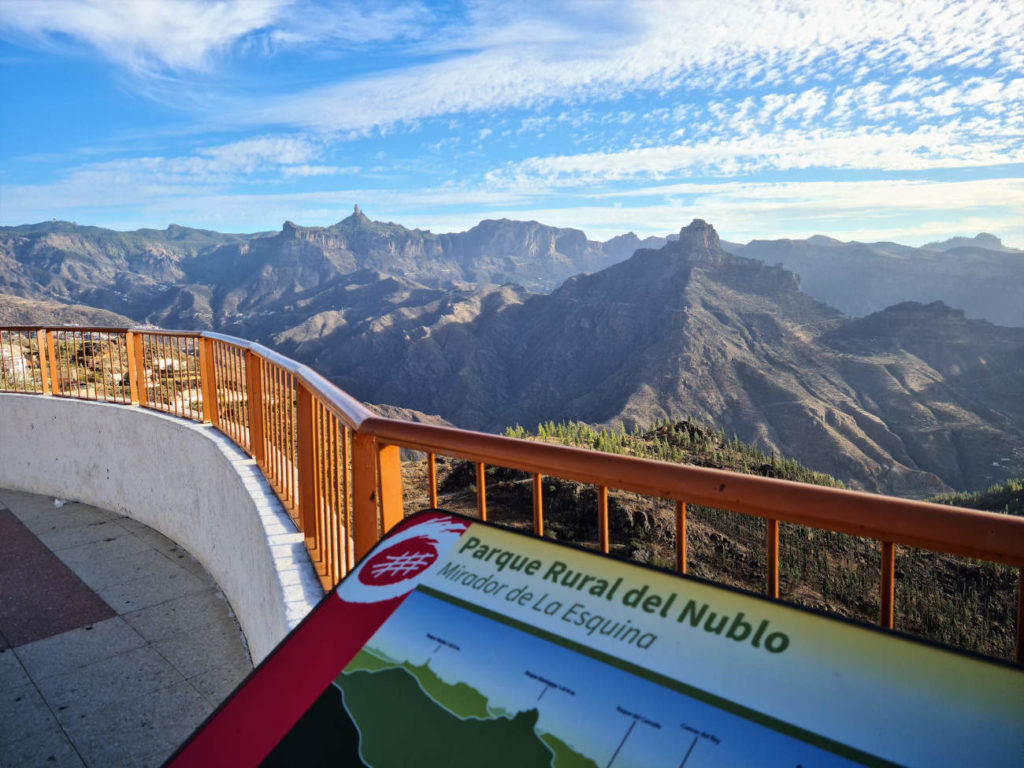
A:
{"points": [[457, 643], [469, 690]]}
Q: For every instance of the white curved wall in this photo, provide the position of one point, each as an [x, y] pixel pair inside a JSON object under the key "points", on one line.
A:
{"points": [[186, 480]]}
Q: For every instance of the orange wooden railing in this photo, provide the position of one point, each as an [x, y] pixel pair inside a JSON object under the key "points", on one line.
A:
{"points": [[336, 466]]}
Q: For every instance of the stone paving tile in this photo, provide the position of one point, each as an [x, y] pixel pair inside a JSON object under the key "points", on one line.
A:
{"points": [[183, 559], [142, 731], [218, 683], [126, 565], [202, 648], [127, 596], [127, 690], [26, 505], [44, 747], [60, 538], [165, 546], [78, 648], [45, 519], [12, 674], [22, 710], [152, 537], [174, 616], [72, 695], [115, 541]]}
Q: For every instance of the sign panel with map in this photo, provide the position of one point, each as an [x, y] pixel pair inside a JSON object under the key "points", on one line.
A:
{"points": [[457, 643]]}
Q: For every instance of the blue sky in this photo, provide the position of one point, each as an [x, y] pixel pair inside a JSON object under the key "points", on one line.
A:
{"points": [[899, 120]]}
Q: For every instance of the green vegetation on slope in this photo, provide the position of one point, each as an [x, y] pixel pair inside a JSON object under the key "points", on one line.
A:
{"points": [[684, 441], [1007, 498]]}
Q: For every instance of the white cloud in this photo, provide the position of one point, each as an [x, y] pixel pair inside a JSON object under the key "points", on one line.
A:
{"points": [[143, 35], [569, 54], [347, 23], [289, 171], [979, 142]]}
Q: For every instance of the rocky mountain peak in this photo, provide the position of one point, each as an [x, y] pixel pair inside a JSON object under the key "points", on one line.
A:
{"points": [[981, 240], [356, 218], [699, 235], [289, 229]]}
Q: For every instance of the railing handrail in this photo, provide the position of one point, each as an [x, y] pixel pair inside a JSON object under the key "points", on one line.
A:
{"points": [[350, 410], [941, 527], [373, 500]]}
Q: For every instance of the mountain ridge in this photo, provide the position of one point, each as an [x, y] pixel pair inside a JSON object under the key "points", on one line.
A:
{"points": [[688, 328]]}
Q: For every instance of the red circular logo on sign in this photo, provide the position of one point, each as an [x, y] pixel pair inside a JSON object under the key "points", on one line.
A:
{"points": [[403, 561]]}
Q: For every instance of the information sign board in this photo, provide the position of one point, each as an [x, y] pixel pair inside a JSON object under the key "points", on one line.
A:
{"points": [[456, 643]]}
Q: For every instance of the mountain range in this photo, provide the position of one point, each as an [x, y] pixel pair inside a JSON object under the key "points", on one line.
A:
{"points": [[520, 322], [972, 274]]}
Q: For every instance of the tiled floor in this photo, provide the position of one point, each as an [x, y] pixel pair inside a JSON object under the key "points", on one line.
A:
{"points": [[114, 643]]}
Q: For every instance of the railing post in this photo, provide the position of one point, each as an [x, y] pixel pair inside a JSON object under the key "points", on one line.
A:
{"points": [[773, 557], [137, 352], [44, 379], [432, 481], [602, 517], [208, 381], [51, 354], [364, 493], [681, 536], [887, 585], [538, 506], [306, 453], [254, 402], [133, 374], [481, 491], [390, 464], [1020, 615]]}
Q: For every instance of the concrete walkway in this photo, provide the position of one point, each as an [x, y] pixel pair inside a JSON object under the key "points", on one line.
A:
{"points": [[114, 642]]}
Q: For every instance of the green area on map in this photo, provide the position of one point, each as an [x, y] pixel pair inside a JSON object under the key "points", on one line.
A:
{"points": [[441, 723]]}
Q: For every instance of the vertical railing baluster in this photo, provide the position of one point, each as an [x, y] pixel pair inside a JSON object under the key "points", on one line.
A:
{"points": [[8, 337], [306, 439], [44, 383], [772, 533], [602, 517], [887, 585], [142, 374], [538, 505], [293, 446], [208, 382], [319, 464], [254, 398], [333, 496], [347, 527], [51, 354], [481, 491], [73, 364], [1020, 615], [431, 481], [104, 356], [680, 536]]}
